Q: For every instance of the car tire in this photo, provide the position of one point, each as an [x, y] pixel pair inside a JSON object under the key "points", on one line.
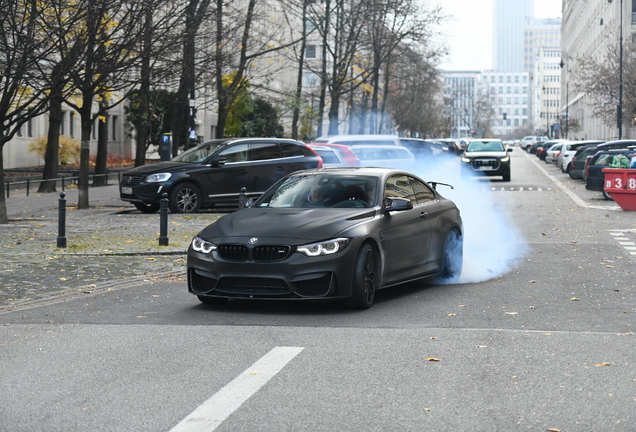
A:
{"points": [[212, 300], [569, 171], [148, 208], [453, 258], [366, 278], [506, 177], [185, 198]]}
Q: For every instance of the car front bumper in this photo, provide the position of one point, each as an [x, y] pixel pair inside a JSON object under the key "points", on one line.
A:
{"points": [[298, 277]]}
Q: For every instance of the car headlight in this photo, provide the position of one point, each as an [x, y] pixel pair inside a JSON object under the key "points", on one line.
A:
{"points": [[160, 177], [323, 248], [505, 159], [200, 245], [465, 159]]}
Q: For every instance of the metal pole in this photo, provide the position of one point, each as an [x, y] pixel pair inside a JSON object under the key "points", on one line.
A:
{"points": [[163, 220], [61, 237], [619, 111]]}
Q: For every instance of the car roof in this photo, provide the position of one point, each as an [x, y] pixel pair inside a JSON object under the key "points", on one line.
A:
{"points": [[247, 140], [366, 171]]}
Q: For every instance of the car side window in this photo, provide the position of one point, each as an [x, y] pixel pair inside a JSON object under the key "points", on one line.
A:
{"points": [[235, 153], [398, 186], [265, 151], [422, 192], [294, 150]]}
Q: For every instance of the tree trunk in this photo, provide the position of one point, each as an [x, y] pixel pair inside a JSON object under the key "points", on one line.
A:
{"points": [[4, 219], [102, 150], [333, 113], [143, 130], [51, 157], [299, 81], [85, 153]]}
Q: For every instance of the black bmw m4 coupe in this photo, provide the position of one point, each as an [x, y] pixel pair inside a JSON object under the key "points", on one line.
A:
{"points": [[330, 233]]}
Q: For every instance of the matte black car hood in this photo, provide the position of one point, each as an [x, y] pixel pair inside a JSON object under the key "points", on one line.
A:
{"points": [[289, 223], [167, 166]]}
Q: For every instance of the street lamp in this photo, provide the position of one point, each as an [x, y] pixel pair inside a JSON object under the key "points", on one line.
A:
{"points": [[619, 107]]}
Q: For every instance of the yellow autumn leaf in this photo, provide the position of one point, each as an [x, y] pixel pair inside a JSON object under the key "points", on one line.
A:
{"points": [[602, 364], [433, 359]]}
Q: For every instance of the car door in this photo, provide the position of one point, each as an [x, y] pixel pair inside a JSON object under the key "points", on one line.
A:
{"points": [[223, 183], [404, 234], [435, 214], [267, 165]]}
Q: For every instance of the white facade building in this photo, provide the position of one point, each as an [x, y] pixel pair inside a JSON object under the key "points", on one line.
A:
{"points": [[547, 92], [592, 28], [509, 94]]}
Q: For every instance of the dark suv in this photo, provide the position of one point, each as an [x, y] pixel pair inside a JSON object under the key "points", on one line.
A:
{"points": [[214, 172], [486, 157]]}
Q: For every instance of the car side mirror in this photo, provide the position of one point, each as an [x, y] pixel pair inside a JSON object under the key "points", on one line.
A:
{"points": [[217, 162], [397, 204]]}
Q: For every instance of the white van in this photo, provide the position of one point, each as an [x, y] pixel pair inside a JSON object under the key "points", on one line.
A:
{"points": [[350, 140]]}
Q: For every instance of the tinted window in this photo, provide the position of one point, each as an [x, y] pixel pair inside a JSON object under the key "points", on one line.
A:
{"points": [[235, 153], [198, 154], [422, 192], [292, 150], [398, 186], [265, 151]]}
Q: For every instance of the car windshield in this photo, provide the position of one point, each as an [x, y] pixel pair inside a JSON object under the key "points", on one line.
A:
{"points": [[480, 146], [198, 153], [322, 190]]}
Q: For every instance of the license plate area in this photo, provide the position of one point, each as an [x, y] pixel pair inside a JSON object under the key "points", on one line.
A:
{"points": [[126, 190]]}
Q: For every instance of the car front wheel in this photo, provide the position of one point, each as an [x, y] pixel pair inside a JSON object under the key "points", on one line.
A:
{"points": [[185, 198], [366, 278]]}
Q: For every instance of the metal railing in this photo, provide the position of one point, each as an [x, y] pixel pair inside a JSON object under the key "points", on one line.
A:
{"points": [[62, 181]]}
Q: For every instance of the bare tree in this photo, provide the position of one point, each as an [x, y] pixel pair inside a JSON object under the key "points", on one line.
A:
{"points": [[26, 56]]}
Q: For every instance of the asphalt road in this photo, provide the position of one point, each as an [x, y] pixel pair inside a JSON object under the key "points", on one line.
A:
{"points": [[538, 337]]}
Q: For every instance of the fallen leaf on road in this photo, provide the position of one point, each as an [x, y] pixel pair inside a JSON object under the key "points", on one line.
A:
{"points": [[433, 359], [553, 430], [574, 299], [151, 259], [451, 314], [602, 364], [511, 313], [533, 281]]}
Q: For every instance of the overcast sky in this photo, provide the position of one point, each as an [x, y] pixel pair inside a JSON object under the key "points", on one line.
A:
{"points": [[469, 31]]}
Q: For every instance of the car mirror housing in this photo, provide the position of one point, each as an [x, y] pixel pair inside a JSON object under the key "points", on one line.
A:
{"points": [[217, 162], [397, 204]]}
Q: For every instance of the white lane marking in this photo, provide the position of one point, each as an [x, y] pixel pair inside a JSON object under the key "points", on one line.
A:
{"points": [[220, 406], [571, 194]]}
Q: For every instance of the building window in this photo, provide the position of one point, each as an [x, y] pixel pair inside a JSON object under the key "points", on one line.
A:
{"points": [[310, 79], [310, 52], [71, 124], [30, 128], [62, 131]]}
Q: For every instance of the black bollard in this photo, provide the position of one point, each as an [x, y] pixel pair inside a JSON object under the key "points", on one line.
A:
{"points": [[61, 237], [163, 220], [242, 198]]}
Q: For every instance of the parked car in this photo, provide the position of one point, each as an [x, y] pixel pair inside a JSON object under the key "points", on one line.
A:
{"points": [[289, 246], [422, 149], [214, 172], [530, 140], [582, 159], [541, 148], [486, 157], [385, 156], [351, 140], [344, 151], [595, 178], [552, 153], [569, 150], [329, 155]]}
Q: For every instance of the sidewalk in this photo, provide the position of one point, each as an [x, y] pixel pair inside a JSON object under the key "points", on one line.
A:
{"points": [[110, 240]]}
